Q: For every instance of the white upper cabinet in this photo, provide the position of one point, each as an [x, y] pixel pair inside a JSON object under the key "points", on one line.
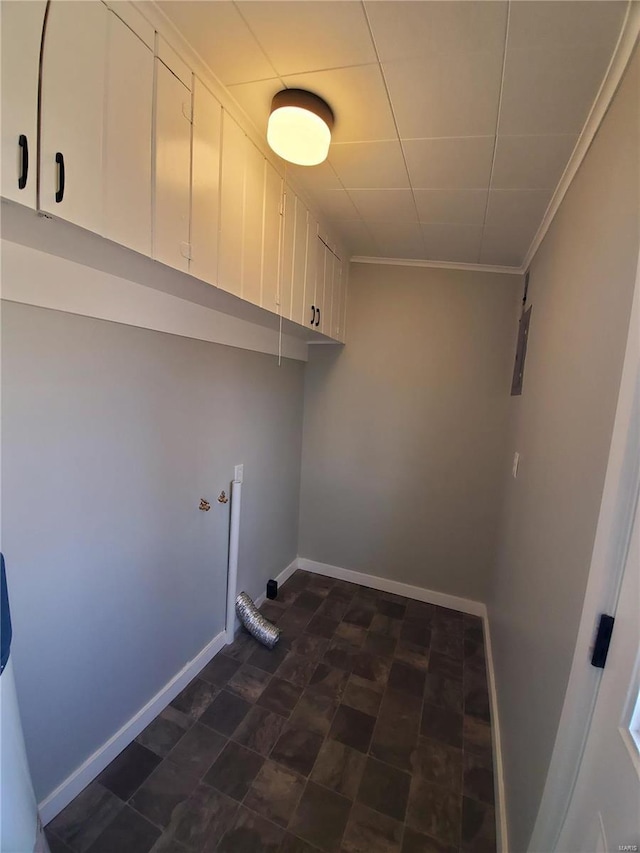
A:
{"points": [[271, 239], [336, 299], [205, 184], [321, 273], [252, 221], [172, 173], [21, 28], [287, 250], [300, 239], [128, 129], [72, 112], [232, 171], [309, 317]]}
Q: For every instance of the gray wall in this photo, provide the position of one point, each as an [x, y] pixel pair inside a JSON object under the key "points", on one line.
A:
{"points": [[404, 428], [581, 289], [111, 434]]}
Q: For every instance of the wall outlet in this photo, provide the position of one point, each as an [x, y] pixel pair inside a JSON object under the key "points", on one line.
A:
{"points": [[238, 473], [516, 462]]}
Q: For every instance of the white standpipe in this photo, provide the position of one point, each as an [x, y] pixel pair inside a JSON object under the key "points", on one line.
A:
{"points": [[232, 574]]}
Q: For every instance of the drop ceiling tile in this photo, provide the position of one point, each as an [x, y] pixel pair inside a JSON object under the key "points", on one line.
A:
{"points": [[445, 94], [311, 178], [523, 207], [455, 243], [455, 207], [531, 162], [506, 247], [385, 204], [550, 90], [565, 24], [458, 163], [336, 204], [355, 236], [310, 36], [402, 29], [398, 239], [364, 165], [357, 97], [255, 99], [221, 37]]}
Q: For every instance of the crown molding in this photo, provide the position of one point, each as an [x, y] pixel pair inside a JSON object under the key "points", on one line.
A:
{"points": [[438, 265]]}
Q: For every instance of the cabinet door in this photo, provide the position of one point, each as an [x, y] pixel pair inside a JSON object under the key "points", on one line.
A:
{"points": [[127, 149], [72, 108], [252, 223], [321, 272], [336, 299], [205, 184], [288, 239], [21, 28], [172, 178], [311, 273], [271, 239], [299, 264], [234, 144]]}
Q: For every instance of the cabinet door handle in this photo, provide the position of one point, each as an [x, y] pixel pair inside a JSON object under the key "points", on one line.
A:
{"points": [[61, 176], [24, 161], [318, 320], [313, 315]]}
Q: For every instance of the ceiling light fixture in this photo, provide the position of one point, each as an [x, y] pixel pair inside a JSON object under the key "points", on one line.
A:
{"points": [[299, 128]]}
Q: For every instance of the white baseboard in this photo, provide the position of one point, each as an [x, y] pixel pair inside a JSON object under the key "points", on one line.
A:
{"points": [[95, 764], [284, 575], [454, 602]]}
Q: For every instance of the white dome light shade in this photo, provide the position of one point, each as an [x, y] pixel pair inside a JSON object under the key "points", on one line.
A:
{"points": [[299, 128]]}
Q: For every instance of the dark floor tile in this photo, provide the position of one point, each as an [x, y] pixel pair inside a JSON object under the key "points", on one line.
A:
{"points": [[360, 614], [280, 696], [418, 842], [363, 695], [129, 770], [446, 643], [129, 832], [197, 750], [297, 749], [251, 833], [269, 659], [328, 680], [353, 728], [394, 744], [443, 692], [478, 827], [164, 732], [310, 601], [168, 844], [380, 645], [340, 655], [225, 713], [410, 653], [195, 698], [440, 763], [203, 819], [434, 811], [234, 770], [476, 697], [385, 789], [391, 608], [293, 621], [321, 627], [286, 596], [55, 844], [445, 666], [478, 778], [370, 832], [476, 737], [321, 585], [354, 635], [293, 844], [406, 678], [416, 631], [275, 793], [315, 711], [446, 614], [248, 682], [167, 787], [297, 669], [272, 611], [219, 670], [385, 626], [259, 730], [420, 610], [339, 767], [333, 608], [298, 580], [473, 640], [242, 647], [402, 710], [321, 817], [309, 646], [81, 822], [441, 724], [372, 667]]}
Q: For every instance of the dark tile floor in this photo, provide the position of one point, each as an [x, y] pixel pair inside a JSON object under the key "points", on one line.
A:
{"points": [[366, 730]]}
